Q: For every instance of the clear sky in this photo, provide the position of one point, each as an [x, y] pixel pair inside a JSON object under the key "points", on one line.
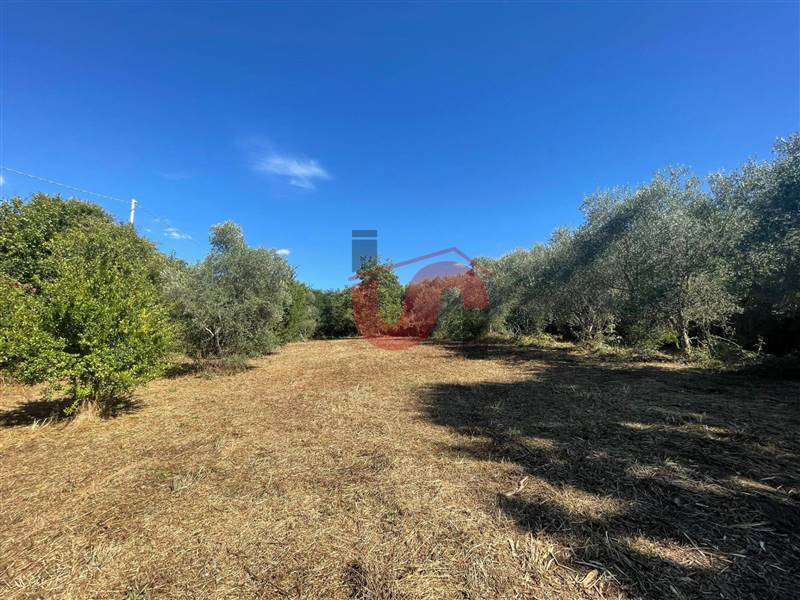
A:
{"points": [[475, 125]]}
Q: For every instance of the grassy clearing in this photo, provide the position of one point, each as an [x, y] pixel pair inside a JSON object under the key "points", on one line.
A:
{"points": [[338, 470]]}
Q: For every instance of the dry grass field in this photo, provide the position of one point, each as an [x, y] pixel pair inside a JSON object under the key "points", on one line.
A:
{"points": [[338, 470]]}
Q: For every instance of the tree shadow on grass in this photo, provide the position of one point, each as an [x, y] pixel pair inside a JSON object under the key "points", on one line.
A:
{"points": [[47, 411], [208, 368], [679, 483]]}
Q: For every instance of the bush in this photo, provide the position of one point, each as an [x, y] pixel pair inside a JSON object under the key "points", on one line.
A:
{"points": [[97, 326]]}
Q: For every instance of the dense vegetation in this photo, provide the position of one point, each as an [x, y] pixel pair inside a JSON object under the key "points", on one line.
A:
{"points": [[700, 267], [80, 305], [91, 308], [671, 264]]}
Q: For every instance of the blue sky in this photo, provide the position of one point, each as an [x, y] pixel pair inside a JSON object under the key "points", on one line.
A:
{"points": [[475, 125]]}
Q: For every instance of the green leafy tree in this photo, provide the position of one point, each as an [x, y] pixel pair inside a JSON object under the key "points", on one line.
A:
{"points": [[26, 229], [575, 288], [234, 301], [97, 326], [455, 320], [300, 320], [514, 286], [334, 314], [666, 262], [389, 288], [650, 257]]}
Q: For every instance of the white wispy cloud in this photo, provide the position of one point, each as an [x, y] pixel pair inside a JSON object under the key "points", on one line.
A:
{"points": [[305, 184], [298, 172], [176, 234], [283, 252], [2, 181]]}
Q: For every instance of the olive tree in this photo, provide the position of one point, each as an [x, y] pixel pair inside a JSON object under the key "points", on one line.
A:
{"points": [[761, 203], [233, 302], [656, 251]]}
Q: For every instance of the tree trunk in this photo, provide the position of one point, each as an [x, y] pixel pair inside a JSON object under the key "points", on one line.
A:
{"points": [[684, 340], [216, 341], [682, 329]]}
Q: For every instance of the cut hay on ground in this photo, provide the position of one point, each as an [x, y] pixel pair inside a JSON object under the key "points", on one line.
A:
{"points": [[338, 470]]}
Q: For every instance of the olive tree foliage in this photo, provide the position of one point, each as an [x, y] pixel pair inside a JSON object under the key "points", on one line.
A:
{"points": [[457, 322], [668, 263], [455, 306], [96, 325], [234, 301], [558, 285], [657, 253], [573, 287], [514, 283], [645, 261], [761, 204]]}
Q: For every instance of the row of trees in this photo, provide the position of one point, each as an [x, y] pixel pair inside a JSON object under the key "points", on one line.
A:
{"points": [[677, 262], [88, 305], [673, 262], [92, 308]]}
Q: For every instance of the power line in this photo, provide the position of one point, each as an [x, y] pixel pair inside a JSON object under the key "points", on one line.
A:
{"points": [[97, 194], [64, 185]]}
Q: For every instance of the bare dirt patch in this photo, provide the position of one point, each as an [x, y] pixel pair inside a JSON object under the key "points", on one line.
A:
{"points": [[338, 470]]}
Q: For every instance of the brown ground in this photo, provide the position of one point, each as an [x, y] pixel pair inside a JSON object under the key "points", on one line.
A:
{"points": [[337, 470]]}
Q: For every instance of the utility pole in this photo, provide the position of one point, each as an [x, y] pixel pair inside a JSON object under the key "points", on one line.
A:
{"points": [[133, 209]]}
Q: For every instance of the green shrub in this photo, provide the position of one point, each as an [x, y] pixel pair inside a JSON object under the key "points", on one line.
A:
{"points": [[97, 326]]}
